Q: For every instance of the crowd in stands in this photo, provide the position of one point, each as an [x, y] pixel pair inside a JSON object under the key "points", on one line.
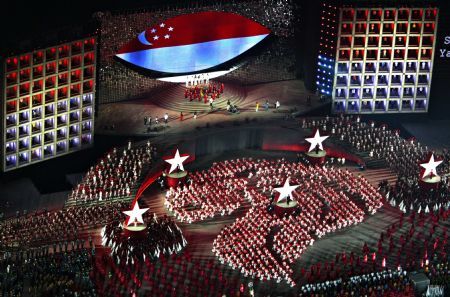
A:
{"points": [[439, 275], [162, 237], [55, 229], [329, 199], [115, 175], [58, 274], [384, 283], [401, 155]]}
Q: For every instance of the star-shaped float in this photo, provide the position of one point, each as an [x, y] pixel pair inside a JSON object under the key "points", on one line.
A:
{"points": [[135, 214], [316, 140], [176, 161], [286, 190], [430, 167]]}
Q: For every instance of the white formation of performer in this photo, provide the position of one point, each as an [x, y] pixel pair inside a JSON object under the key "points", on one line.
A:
{"points": [[430, 167], [316, 141], [176, 162], [286, 191], [135, 215]]}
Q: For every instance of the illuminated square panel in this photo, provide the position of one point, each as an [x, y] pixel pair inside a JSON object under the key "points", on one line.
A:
{"points": [[48, 103], [384, 60]]}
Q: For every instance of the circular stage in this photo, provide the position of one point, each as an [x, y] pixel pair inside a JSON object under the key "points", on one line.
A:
{"points": [[130, 243], [317, 158], [175, 178], [134, 228], [429, 183], [284, 208]]}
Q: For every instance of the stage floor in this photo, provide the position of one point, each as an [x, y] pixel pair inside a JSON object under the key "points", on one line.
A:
{"points": [[128, 116]]}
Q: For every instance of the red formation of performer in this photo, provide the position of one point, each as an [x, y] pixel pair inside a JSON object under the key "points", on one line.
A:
{"points": [[204, 92], [329, 199]]}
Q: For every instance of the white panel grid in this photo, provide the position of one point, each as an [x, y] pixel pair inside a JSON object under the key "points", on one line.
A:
{"points": [[384, 60], [48, 103]]}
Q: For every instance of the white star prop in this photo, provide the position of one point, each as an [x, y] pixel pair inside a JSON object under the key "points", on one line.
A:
{"points": [[316, 140], [156, 37], [286, 190], [430, 167], [176, 161], [162, 25], [153, 30], [170, 29], [135, 214], [166, 36]]}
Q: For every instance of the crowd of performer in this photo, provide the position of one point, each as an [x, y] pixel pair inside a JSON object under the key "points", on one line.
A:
{"points": [[207, 92], [409, 196], [401, 155], [162, 236], [328, 201], [53, 254], [115, 175], [412, 243]]}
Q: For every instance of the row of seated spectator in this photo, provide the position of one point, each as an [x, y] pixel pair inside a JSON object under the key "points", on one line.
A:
{"points": [[59, 274], [385, 283], [56, 228]]}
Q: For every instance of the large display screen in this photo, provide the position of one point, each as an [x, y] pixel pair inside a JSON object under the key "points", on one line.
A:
{"points": [[193, 42]]}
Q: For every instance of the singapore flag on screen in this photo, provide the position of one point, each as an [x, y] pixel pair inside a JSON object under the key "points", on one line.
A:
{"points": [[193, 42]]}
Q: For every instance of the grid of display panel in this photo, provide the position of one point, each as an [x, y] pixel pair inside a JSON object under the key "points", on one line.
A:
{"points": [[384, 60], [48, 103]]}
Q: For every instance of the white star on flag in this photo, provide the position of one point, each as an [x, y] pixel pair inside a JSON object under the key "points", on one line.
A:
{"points": [[162, 25], [170, 29], [316, 140], [286, 190], [153, 30], [156, 37], [166, 36], [135, 214], [176, 161], [430, 167]]}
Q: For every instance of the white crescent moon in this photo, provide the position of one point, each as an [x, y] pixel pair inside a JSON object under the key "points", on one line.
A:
{"points": [[142, 39]]}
